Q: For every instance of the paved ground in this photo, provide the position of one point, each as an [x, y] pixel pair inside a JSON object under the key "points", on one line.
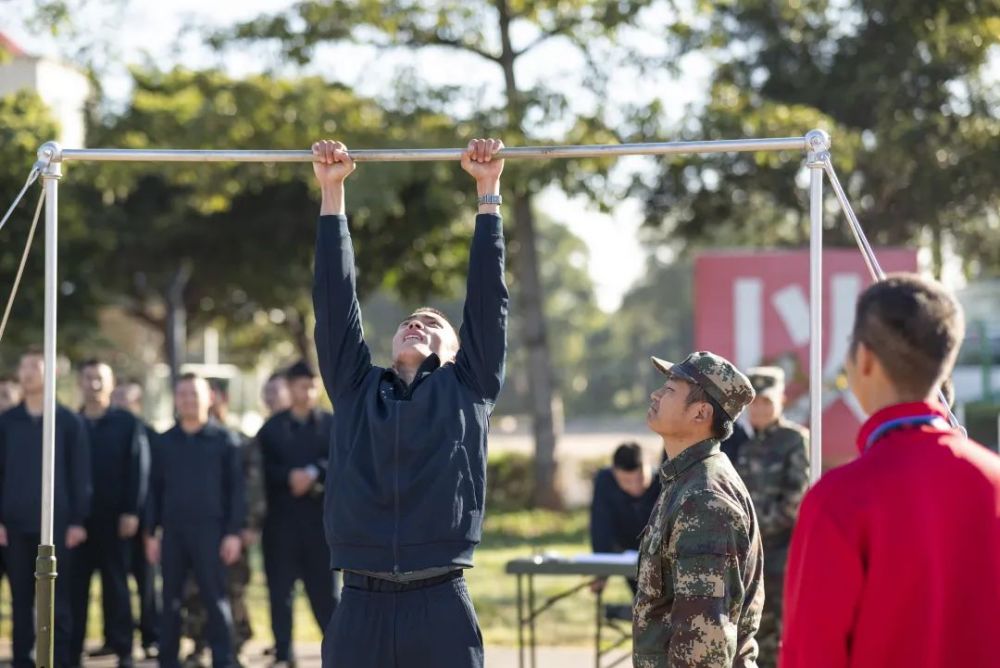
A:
{"points": [[309, 657]]}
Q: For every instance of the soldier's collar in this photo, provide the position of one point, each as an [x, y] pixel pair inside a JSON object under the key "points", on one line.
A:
{"points": [[770, 428], [673, 468]]}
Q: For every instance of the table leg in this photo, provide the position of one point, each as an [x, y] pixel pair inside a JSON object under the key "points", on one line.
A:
{"points": [[520, 623], [597, 639], [531, 619]]}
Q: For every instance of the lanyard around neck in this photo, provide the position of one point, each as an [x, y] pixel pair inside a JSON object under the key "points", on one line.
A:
{"points": [[906, 423]]}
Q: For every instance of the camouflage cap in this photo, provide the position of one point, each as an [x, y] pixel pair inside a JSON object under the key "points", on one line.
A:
{"points": [[768, 381], [719, 377]]}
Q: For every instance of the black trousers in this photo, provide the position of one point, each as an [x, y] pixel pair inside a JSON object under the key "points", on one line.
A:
{"points": [[144, 574], [296, 550], [194, 548], [425, 624], [107, 553], [22, 551]]}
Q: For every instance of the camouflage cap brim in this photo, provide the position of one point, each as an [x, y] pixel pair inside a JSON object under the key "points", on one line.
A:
{"points": [[671, 369]]}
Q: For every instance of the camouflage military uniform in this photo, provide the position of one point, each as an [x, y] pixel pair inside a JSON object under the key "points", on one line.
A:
{"points": [[194, 620], [701, 560], [774, 465]]}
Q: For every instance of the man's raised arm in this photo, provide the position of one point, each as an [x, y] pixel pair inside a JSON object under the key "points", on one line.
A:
{"points": [[344, 358], [483, 335]]}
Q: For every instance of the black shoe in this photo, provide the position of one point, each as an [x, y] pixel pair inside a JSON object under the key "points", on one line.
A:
{"points": [[126, 662], [104, 650]]}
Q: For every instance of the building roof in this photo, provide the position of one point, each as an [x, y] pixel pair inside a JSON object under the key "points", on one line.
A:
{"points": [[10, 46]]}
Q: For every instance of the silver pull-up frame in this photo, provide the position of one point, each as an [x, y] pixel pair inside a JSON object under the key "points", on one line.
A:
{"points": [[815, 144]]}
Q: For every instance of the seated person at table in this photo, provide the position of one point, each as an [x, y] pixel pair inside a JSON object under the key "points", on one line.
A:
{"points": [[624, 495]]}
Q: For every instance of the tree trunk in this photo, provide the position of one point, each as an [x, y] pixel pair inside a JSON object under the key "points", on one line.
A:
{"points": [[299, 330], [534, 335], [176, 321], [541, 383]]}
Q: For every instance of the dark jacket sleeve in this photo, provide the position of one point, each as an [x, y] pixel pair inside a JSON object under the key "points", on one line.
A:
{"points": [[235, 491], [154, 502], [3, 465], [137, 484], [80, 469], [344, 358], [483, 335], [275, 470], [602, 518]]}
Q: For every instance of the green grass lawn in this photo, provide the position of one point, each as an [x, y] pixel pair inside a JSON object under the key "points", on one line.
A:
{"points": [[506, 536]]}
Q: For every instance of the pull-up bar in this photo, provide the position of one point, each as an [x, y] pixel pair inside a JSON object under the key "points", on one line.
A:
{"points": [[432, 154]]}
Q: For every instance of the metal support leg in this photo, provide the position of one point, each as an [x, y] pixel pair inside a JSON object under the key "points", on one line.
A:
{"points": [[819, 144], [597, 636], [45, 573], [520, 623], [531, 620]]}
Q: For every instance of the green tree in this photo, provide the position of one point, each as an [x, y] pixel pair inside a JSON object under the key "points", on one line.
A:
{"points": [[903, 87], [504, 34], [25, 124], [185, 245]]}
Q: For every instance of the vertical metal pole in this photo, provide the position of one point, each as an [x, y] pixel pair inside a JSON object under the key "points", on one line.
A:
{"points": [[45, 565], [819, 144]]}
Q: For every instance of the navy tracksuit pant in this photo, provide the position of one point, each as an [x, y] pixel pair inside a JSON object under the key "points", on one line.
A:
{"points": [[296, 549], [144, 574], [106, 552], [22, 551], [194, 548], [425, 624]]}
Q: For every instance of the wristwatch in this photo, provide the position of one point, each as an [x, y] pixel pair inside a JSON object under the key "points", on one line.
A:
{"points": [[490, 199]]}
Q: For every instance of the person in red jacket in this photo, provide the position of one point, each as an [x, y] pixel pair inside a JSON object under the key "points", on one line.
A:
{"points": [[895, 560]]}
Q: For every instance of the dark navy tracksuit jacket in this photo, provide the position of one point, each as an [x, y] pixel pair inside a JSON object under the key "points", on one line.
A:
{"points": [[407, 470], [20, 513]]}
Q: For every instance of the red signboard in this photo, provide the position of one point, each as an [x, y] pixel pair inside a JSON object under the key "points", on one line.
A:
{"points": [[753, 308]]}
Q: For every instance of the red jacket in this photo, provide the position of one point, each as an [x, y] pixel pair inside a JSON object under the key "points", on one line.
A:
{"points": [[896, 557]]}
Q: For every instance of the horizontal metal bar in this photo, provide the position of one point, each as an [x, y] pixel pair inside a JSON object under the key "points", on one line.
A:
{"points": [[435, 154]]}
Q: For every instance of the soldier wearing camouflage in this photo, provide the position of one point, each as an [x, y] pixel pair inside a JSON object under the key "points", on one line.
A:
{"points": [[774, 465], [700, 574]]}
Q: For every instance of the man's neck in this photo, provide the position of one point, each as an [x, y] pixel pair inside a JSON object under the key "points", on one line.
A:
{"points": [[676, 445], [193, 425], [406, 372], [889, 396], [301, 412], [34, 403], [95, 409]]}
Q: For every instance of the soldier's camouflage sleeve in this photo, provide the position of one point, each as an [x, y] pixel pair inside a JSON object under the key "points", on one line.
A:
{"points": [[707, 583], [784, 506]]}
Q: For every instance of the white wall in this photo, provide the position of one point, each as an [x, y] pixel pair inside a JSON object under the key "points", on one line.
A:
{"points": [[62, 88]]}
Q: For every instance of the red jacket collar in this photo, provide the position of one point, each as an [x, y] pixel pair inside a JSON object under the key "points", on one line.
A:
{"points": [[896, 412]]}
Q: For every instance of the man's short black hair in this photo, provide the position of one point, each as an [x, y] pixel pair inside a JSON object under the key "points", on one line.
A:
{"points": [[89, 362], [914, 327], [722, 425], [627, 457], [33, 351], [301, 369]]}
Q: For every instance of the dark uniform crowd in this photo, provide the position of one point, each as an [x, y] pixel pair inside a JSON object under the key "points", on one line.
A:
{"points": [[187, 503]]}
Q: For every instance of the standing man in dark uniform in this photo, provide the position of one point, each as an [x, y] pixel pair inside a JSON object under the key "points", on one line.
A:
{"points": [[405, 496], [774, 465], [295, 444], [701, 587], [119, 452], [238, 574], [624, 496], [127, 395], [21, 509], [198, 500]]}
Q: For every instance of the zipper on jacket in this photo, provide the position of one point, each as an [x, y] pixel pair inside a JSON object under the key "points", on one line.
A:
{"points": [[395, 468]]}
